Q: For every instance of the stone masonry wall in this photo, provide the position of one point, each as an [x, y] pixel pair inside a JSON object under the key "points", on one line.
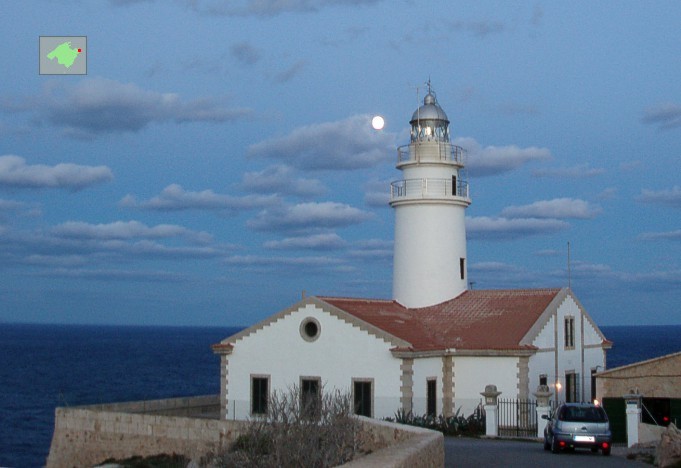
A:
{"points": [[87, 435], [658, 378]]}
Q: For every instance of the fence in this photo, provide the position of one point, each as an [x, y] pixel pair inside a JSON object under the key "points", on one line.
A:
{"points": [[517, 418]]}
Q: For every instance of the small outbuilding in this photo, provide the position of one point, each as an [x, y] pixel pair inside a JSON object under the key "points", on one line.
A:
{"points": [[658, 380]]}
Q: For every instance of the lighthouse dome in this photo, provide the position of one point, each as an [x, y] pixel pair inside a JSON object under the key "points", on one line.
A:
{"points": [[430, 110], [429, 122]]}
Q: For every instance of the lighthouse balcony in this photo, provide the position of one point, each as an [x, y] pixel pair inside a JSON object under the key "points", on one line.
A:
{"points": [[431, 151], [430, 188]]}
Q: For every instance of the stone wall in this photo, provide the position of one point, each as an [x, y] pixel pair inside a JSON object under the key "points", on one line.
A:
{"points": [[87, 435], [399, 446], [656, 378]]}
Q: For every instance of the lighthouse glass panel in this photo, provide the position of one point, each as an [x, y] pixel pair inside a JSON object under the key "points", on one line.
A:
{"points": [[430, 130]]}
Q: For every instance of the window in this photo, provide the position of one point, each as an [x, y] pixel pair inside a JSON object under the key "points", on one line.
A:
{"points": [[542, 379], [310, 397], [571, 390], [569, 332], [462, 267], [454, 191], [310, 329], [431, 397], [362, 397], [259, 394], [593, 384]]}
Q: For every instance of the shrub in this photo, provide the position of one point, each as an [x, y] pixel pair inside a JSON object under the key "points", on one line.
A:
{"points": [[319, 434], [455, 425]]}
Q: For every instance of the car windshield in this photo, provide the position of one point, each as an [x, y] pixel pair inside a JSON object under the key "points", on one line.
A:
{"points": [[583, 414]]}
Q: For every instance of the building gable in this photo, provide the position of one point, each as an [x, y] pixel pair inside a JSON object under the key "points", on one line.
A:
{"points": [[326, 307]]}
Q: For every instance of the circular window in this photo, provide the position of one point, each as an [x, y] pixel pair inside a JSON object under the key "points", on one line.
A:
{"points": [[310, 329]]}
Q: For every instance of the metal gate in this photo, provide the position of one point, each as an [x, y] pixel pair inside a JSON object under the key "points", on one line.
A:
{"points": [[517, 418]]}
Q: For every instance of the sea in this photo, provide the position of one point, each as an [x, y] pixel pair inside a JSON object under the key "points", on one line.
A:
{"points": [[46, 366]]}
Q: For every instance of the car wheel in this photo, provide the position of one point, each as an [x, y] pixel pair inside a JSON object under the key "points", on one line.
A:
{"points": [[606, 451], [555, 448], [547, 444]]}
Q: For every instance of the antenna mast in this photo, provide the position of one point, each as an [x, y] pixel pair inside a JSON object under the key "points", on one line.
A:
{"points": [[569, 267]]}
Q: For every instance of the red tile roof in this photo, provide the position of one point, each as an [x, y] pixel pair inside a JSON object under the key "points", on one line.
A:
{"points": [[476, 320]]}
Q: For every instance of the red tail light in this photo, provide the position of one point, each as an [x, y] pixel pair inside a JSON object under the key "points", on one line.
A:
{"points": [[605, 445], [562, 443], [665, 419]]}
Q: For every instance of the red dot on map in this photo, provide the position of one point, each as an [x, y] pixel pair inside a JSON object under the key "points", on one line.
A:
{"points": [[80, 50]]}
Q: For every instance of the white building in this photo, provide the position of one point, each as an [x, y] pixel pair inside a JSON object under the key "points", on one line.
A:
{"points": [[436, 345]]}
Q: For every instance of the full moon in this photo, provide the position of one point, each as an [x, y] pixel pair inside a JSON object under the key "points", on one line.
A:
{"points": [[377, 122]]}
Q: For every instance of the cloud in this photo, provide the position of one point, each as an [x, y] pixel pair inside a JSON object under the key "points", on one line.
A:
{"points": [[306, 216], [15, 173], [670, 197], [126, 230], [607, 194], [290, 73], [108, 242], [578, 172], [556, 208], [269, 261], [480, 29], [666, 116], [487, 228], [245, 53], [343, 145], [267, 8], [329, 241], [176, 198], [281, 179], [656, 280], [7, 205], [377, 193], [97, 106], [372, 249], [548, 253], [114, 275], [668, 235], [493, 160]]}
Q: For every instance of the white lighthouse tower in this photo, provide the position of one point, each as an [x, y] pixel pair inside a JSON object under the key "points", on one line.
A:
{"points": [[430, 201]]}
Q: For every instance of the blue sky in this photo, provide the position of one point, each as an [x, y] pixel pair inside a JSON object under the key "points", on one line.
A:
{"points": [[217, 160]]}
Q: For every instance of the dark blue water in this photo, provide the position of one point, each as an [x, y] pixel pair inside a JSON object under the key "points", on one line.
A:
{"points": [[45, 366]]}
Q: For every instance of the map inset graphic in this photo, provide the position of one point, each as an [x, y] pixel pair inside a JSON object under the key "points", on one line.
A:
{"points": [[63, 55]]}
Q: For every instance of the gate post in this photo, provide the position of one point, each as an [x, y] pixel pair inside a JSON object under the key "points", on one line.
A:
{"points": [[491, 410], [633, 400], [543, 394]]}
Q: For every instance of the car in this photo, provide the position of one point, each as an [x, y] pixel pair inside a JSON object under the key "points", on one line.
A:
{"points": [[578, 425]]}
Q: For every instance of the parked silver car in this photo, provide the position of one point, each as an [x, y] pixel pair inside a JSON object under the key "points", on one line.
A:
{"points": [[578, 425]]}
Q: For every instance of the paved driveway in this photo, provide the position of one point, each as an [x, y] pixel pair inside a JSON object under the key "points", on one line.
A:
{"points": [[482, 453]]}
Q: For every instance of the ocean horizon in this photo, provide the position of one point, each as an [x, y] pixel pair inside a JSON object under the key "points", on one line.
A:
{"points": [[47, 366]]}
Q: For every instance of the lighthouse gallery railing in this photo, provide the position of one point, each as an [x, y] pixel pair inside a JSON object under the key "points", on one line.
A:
{"points": [[428, 188]]}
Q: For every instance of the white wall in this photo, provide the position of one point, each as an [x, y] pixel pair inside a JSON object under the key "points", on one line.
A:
{"points": [[472, 374], [342, 352]]}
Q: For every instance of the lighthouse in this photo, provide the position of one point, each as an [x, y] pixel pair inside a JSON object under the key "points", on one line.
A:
{"points": [[429, 265]]}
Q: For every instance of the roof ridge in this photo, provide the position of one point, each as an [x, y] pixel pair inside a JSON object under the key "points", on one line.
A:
{"points": [[363, 299]]}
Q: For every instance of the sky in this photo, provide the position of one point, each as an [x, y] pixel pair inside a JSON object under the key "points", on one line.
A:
{"points": [[217, 161]]}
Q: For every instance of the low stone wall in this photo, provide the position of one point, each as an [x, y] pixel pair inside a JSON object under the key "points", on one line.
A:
{"points": [[88, 435], [399, 446], [648, 433]]}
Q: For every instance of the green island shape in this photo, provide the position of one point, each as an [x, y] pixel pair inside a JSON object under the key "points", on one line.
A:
{"points": [[64, 53]]}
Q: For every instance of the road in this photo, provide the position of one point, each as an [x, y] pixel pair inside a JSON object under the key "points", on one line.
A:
{"points": [[462, 452]]}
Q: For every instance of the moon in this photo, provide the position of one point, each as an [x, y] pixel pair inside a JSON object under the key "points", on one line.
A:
{"points": [[377, 122]]}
